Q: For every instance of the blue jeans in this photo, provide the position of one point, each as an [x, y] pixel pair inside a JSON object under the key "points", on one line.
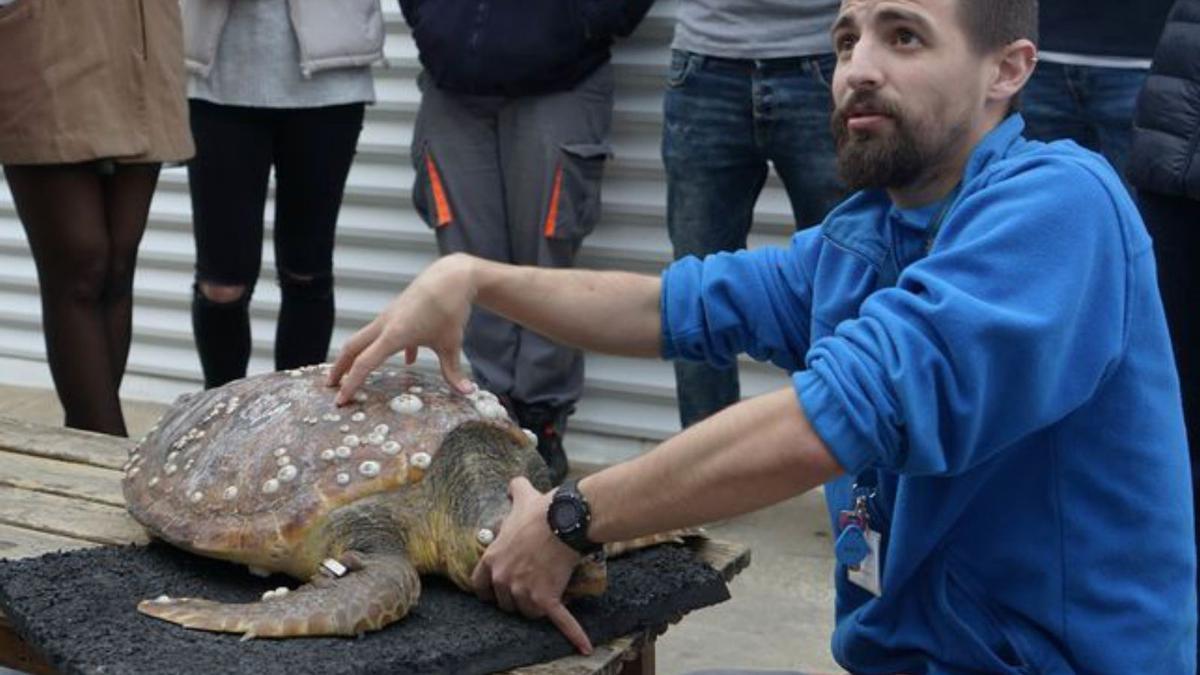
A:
{"points": [[1092, 106], [724, 120]]}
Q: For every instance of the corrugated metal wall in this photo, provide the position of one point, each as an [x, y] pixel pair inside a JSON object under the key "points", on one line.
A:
{"points": [[382, 244]]}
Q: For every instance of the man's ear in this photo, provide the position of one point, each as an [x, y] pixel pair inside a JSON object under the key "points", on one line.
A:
{"points": [[1013, 69]]}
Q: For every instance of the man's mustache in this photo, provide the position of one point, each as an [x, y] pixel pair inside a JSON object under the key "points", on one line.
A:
{"points": [[864, 104]]}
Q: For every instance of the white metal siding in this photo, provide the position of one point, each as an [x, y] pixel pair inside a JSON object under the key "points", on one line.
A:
{"points": [[382, 244]]}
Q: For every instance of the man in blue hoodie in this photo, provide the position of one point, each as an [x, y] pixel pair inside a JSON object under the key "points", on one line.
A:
{"points": [[982, 378]]}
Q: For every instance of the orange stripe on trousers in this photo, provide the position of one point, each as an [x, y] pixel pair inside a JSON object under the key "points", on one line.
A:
{"points": [[441, 204], [552, 216]]}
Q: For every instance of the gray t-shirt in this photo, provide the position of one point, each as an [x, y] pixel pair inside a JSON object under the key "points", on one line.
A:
{"points": [[755, 29], [258, 65]]}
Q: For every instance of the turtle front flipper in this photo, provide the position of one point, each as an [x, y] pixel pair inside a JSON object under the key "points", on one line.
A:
{"points": [[376, 590]]}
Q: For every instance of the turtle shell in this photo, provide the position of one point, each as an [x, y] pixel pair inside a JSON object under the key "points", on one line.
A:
{"points": [[245, 470]]}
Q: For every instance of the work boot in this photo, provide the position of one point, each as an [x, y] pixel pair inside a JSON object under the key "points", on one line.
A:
{"points": [[509, 407], [548, 423]]}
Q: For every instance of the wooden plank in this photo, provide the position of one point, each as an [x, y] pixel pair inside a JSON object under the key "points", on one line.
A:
{"points": [[643, 663], [66, 479], [605, 659], [76, 518], [70, 445], [726, 557], [20, 542]]}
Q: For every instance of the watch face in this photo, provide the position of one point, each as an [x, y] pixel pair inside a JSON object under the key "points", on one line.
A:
{"points": [[564, 516]]}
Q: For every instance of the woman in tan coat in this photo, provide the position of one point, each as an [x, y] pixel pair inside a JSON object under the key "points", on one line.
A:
{"points": [[91, 104]]}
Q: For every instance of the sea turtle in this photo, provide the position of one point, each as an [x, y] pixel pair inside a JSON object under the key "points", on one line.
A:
{"points": [[411, 478]]}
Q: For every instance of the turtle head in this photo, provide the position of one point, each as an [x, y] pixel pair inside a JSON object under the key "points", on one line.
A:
{"points": [[469, 480]]}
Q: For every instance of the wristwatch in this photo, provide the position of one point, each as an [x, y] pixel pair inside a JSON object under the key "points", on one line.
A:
{"points": [[569, 516]]}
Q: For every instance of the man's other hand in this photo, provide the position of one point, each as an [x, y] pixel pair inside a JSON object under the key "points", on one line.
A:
{"points": [[431, 312], [526, 569]]}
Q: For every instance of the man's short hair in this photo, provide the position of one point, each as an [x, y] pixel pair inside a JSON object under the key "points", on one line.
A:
{"points": [[992, 24]]}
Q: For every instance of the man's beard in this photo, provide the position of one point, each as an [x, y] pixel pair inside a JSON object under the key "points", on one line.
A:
{"points": [[878, 161]]}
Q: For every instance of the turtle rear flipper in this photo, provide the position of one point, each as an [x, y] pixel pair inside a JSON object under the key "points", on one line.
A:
{"points": [[590, 577], [378, 590], [680, 536]]}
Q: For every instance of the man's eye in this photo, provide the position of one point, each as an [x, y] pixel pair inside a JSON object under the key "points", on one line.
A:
{"points": [[844, 43], [907, 38]]}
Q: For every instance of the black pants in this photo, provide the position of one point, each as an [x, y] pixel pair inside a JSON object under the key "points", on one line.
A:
{"points": [[1174, 222], [311, 150]]}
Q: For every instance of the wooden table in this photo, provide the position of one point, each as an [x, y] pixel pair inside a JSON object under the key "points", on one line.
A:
{"points": [[61, 489]]}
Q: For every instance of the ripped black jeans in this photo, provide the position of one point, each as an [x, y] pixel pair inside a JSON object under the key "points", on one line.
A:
{"points": [[311, 150]]}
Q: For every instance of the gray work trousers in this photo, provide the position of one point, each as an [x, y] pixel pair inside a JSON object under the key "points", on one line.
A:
{"points": [[517, 180]]}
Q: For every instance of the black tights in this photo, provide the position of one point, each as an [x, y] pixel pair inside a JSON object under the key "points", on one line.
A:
{"points": [[222, 326], [84, 228], [311, 150]]}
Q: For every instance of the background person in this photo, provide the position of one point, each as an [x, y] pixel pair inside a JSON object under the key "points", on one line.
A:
{"points": [[275, 84], [1166, 148], [748, 85], [509, 149], [91, 105], [1092, 62]]}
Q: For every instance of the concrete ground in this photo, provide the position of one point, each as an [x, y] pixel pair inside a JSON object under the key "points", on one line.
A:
{"points": [[781, 613]]}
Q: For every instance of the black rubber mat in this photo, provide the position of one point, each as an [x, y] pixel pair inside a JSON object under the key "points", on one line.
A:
{"points": [[78, 610]]}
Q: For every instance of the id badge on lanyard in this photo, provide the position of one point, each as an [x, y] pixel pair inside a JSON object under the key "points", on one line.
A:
{"points": [[857, 545]]}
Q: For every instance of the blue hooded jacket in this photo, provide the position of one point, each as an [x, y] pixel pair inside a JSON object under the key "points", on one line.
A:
{"points": [[1010, 392]]}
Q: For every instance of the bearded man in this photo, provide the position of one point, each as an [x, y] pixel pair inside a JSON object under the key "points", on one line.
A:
{"points": [[982, 378]]}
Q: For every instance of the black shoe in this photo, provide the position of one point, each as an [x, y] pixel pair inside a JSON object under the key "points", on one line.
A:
{"points": [[549, 424], [509, 407]]}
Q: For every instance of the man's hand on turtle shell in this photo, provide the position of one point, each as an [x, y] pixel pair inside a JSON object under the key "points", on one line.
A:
{"points": [[431, 312], [527, 568]]}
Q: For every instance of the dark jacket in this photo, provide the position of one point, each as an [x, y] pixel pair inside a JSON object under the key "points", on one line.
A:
{"points": [[517, 47], [1101, 27], [1166, 127]]}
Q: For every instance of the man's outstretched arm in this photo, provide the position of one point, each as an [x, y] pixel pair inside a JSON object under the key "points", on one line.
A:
{"points": [[613, 312], [600, 311], [751, 455], [748, 456]]}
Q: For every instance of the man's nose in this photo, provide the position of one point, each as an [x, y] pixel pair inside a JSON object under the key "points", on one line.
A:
{"points": [[862, 68]]}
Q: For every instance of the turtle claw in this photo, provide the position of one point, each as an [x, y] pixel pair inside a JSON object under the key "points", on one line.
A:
{"points": [[590, 577]]}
